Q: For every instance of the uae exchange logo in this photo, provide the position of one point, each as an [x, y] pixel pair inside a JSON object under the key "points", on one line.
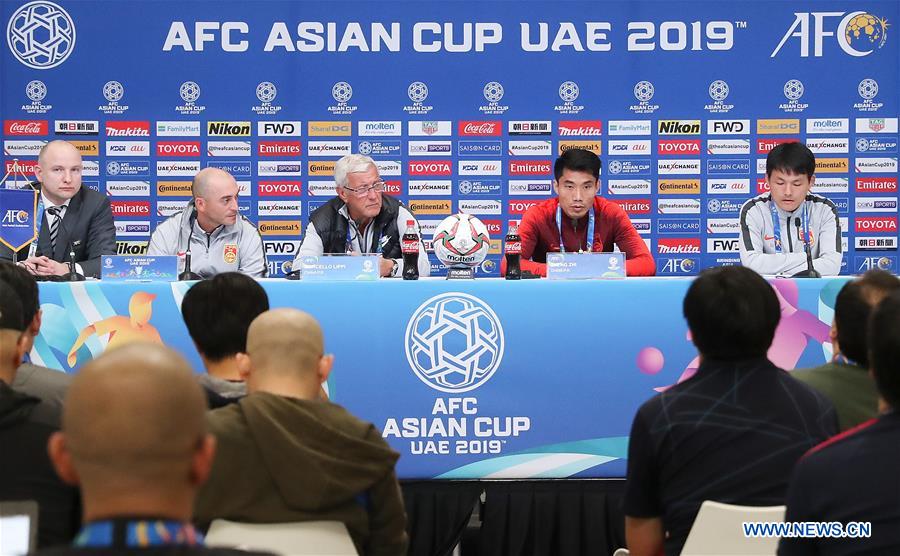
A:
{"points": [[454, 342], [41, 35]]}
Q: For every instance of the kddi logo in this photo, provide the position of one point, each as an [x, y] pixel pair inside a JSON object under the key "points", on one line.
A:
{"points": [[857, 33]]}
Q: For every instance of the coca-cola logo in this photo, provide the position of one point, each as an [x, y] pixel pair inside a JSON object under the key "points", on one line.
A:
{"points": [[26, 127], [480, 128], [178, 148], [513, 247]]}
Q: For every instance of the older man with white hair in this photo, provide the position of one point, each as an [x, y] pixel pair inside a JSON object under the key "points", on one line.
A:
{"points": [[361, 219]]}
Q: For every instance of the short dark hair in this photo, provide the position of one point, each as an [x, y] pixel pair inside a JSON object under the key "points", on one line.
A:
{"points": [[791, 158], [577, 160], [10, 309], [732, 313], [852, 310], [25, 286], [884, 348], [218, 312]]}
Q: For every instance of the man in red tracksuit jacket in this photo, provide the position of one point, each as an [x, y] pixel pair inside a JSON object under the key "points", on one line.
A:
{"points": [[576, 211]]}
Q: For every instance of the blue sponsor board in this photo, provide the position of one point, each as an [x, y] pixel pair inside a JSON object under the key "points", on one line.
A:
{"points": [[678, 226], [131, 168], [876, 145], [237, 168], [480, 187], [246, 207], [279, 265], [676, 266], [379, 148], [883, 262], [137, 228], [313, 205], [641, 227], [91, 184], [710, 262], [637, 167], [476, 148], [728, 166], [723, 207], [842, 204]]}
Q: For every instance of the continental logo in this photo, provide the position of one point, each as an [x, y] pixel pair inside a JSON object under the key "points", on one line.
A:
{"points": [[329, 129], [279, 227], [593, 146], [228, 129], [173, 188], [777, 126], [496, 247], [430, 207], [678, 187], [832, 165], [86, 148], [321, 168], [679, 127]]}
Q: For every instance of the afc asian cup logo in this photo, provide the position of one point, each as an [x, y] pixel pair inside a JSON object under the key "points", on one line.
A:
{"points": [[266, 91], [718, 90], [643, 91], [465, 187], [417, 91], [113, 168], [36, 91], [862, 145], [868, 89], [342, 91], [615, 167], [793, 89], [569, 91], [714, 205], [189, 91], [113, 91], [493, 92], [365, 148], [41, 35], [454, 342]]}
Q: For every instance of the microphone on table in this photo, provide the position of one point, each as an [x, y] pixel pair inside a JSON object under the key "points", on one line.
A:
{"points": [[187, 274], [810, 272]]}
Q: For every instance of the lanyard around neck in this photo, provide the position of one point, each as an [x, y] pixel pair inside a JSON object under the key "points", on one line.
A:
{"points": [[590, 234], [776, 224]]}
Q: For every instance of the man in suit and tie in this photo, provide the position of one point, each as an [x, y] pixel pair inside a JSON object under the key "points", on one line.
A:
{"points": [[73, 218]]}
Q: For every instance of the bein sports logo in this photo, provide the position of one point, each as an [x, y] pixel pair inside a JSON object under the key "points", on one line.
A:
{"points": [[454, 342], [41, 35]]}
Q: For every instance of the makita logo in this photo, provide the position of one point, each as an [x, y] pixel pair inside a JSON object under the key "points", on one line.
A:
{"points": [[232, 129], [430, 167], [876, 185], [26, 127], [519, 207], [763, 146], [130, 208], [678, 245], [678, 147], [529, 168], [128, 129], [636, 206], [275, 129], [679, 127], [280, 188], [876, 224], [178, 148], [584, 128], [480, 128], [279, 148]]}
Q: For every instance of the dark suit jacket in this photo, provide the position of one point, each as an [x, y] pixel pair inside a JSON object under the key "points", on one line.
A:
{"points": [[89, 222]]}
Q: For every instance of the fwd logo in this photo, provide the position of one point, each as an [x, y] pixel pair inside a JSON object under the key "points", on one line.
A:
{"points": [[279, 129], [281, 247]]}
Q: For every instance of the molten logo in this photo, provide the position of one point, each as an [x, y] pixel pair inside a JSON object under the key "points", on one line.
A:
{"points": [[876, 224], [480, 128], [178, 148], [280, 188], [430, 168], [26, 127], [679, 147]]}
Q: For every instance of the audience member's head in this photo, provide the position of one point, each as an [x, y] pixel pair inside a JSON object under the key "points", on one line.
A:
{"points": [[884, 348], [219, 311], [134, 434], [732, 313], [12, 332], [852, 309], [24, 286], [285, 346]]}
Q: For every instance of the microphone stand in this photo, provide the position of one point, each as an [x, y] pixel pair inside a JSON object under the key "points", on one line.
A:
{"points": [[810, 271], [188, 275], [73, 275]]}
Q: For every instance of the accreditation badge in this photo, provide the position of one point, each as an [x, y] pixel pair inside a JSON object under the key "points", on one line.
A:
{"points": [[229, 255]]}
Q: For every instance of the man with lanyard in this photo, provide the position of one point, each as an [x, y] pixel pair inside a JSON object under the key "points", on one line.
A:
{"points": [[134, 439], [361, 219], [212, 230], [777, 226], [72, 218], [579, 221]]}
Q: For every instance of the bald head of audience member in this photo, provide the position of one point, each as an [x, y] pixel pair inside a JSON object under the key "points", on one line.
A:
{"points": [[285, 355], [134, 435], [216, 198], [13, 340]]}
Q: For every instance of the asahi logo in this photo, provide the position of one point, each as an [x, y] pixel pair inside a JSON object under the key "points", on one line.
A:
{"points": [[417, 93], [493, 94], [190, 93], [718, 92], [643, 92]]}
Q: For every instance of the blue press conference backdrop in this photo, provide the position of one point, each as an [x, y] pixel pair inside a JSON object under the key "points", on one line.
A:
{"points": [[464, 105]]}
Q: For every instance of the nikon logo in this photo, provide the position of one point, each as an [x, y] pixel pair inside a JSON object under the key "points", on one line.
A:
{"points": [[679, 127], [173, 188], [131, 247], [230, 129], [279, 227]]}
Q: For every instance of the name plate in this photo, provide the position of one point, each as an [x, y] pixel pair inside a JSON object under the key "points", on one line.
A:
{"points": [[581, 266], [340, 267], [130, 268]]}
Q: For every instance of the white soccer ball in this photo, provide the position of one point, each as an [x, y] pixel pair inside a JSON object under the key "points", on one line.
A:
{"points": [[461, 241]]}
